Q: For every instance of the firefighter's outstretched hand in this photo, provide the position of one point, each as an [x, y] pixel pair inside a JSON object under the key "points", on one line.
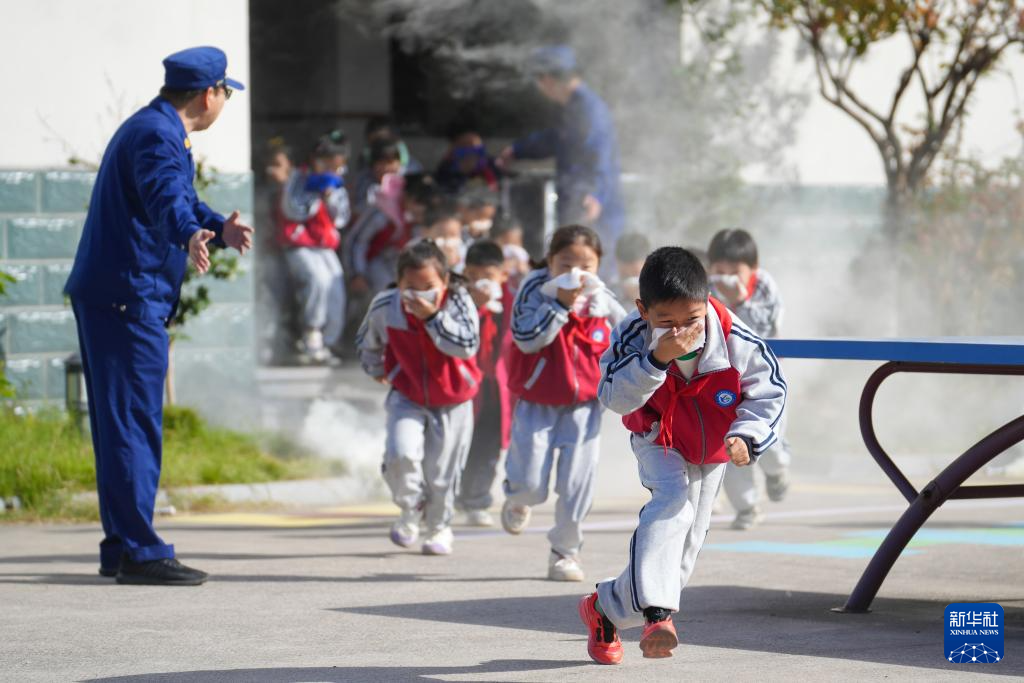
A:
{"points": [[737, 450], [237, 234], [198, 252]]}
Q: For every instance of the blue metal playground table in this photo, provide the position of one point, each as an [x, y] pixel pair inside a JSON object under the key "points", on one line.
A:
{"points": [[951, 355]]}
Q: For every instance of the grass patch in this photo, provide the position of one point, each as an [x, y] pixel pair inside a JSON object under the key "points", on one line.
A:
{"points": [[45, 461]]}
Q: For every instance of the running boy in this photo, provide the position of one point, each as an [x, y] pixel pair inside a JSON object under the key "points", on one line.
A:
{"points": [[750, 293], [421, 338], [488, 285], [698, 389], [561, 324]]}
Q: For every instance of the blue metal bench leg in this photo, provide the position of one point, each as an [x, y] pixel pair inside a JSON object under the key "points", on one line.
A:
{"points": [[945, 486]]}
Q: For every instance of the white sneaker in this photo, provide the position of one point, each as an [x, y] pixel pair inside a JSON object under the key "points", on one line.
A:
{"points": [[747, 519], [439, 542], [406, 529], [562, 568], [479, 518], [514, 518], [312, 345]]}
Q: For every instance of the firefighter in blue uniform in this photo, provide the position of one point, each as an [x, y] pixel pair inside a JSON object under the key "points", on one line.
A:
{"points": [[583, 143], [145, 223]]}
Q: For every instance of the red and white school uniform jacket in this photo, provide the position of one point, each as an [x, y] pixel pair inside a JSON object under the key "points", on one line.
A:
{"points": [[372, 236], [556, 357], [737, 390], [430, 362], [492, 358], [310, 219]]}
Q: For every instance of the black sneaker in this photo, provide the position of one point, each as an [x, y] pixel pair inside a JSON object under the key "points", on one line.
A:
{"points": [[108, 572], [166, 572]]}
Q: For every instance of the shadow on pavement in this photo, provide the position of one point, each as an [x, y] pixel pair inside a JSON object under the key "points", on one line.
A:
{"points": [[399, 674], [84, 579], [898, 632]]}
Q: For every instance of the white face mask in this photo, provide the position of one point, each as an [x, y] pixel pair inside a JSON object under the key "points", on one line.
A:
{"points": [[514, 251], [428, 295], [480, 227], [727, 280], [493, 290], [448, 242], [631, 288], [659, 332]]}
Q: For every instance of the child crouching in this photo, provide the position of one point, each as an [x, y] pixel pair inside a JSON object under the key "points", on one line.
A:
{"points": [[698, 389], [421, 337]]}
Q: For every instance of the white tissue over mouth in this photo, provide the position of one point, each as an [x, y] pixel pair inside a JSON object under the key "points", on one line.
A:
{"points": [[574, 279], [493, 290], [430, 295], [658, 332]]}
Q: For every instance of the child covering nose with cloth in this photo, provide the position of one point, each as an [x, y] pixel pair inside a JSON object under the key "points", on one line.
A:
{"points": [[697, 389], [561, 324], [421, 338]]}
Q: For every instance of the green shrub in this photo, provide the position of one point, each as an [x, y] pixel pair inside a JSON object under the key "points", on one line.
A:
{"points": [[45, 461]]}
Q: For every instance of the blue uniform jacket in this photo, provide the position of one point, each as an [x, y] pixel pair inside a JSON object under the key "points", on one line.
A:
{"points": [[586, 160], [144, 209]]}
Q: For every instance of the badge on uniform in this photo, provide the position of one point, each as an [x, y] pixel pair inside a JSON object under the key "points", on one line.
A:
{"points": [[725, 398], [598, 336], [188, 144]]}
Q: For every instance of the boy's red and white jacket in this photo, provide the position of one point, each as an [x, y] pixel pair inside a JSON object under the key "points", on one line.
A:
{"points": [[310, 219], [492, 359], [557, 352], [431, 362], [737, 390]]}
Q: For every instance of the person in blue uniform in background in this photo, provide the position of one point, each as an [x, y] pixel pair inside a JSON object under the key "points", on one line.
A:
{"points": [[145, 223], [583, 143]]}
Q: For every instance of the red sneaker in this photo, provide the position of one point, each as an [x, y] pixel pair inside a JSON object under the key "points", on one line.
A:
{"points": [[603, 644], [659, 639]]}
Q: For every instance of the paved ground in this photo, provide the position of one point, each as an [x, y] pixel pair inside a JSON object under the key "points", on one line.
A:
{"points": [[323, 596]]}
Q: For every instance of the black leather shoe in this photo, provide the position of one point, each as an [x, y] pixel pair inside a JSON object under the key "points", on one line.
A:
{"points": [[108, 573], [167, 572]]}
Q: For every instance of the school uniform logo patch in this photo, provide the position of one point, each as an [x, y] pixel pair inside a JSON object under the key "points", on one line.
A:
{"points": [[725, 398], [598, 336]]}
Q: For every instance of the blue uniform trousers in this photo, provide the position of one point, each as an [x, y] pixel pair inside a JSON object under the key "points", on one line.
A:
{"points": [[125, 364]]}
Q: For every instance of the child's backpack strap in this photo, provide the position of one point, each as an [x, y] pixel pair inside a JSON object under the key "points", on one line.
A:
{"points": [[723, 315]]}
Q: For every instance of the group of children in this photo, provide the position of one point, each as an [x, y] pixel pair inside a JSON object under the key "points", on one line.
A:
{"points": [[340, 240], [485, 353], [476, 364]]}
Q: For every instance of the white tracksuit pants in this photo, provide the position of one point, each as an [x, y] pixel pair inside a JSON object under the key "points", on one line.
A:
{"points": [[741, 486], [538, 431], [665, 545], [321, 290], [425, 451]]}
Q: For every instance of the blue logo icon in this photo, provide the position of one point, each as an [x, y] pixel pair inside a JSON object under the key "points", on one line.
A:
{"points": [[598, 335], [725, 398], [974, 633]]}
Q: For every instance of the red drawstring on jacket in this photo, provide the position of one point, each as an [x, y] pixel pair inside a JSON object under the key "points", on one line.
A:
{"points": [[680, 390]]}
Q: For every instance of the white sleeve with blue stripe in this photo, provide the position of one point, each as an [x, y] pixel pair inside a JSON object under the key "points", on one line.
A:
{"points": [[373, 334], [536, 318], [455, 330], [762, 386], [628, 379]]}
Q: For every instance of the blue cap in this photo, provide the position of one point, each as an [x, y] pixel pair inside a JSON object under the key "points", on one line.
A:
{"points": [[552, 59], [198, 67]]}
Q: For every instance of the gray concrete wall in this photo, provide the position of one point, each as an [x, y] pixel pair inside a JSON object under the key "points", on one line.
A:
{"points": [[41, 218]]}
